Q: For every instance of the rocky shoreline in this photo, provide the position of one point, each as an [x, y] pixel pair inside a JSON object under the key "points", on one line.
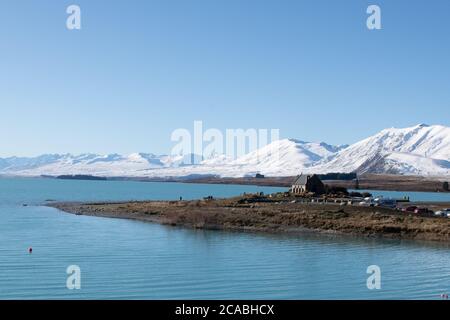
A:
{"points": [[288, 216]]}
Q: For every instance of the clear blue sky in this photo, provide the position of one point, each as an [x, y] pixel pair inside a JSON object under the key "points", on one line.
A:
{"points": [[140, 69]]}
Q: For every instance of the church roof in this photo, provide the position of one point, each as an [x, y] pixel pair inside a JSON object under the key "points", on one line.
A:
{"points": [[301, 180]]}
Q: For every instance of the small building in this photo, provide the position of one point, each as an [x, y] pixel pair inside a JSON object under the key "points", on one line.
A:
{"points": [[259, 176], [308, 183]]}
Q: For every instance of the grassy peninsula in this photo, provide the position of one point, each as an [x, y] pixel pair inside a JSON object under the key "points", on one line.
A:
{"points": [[274, 214]]}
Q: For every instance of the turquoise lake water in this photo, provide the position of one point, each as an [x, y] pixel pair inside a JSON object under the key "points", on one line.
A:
{"points": [[413, 196], [136, 260]]}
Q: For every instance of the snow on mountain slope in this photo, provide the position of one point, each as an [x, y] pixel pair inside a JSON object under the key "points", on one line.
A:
{"points": [[419, 150], [412, 164], [288, 152], [13, 164], [284, 157], [403, 151], [107, 165], [406, 164], [280, 158]]}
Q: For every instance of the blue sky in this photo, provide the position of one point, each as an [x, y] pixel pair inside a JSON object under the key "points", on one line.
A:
{"points": [[140, 69]]}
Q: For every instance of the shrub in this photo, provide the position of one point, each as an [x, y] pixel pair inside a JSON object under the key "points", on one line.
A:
{"points": [[338, 176], [355, 194], [336, 190]]}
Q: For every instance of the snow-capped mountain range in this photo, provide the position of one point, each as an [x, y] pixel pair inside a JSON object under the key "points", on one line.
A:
{"points": [[420, 150]]}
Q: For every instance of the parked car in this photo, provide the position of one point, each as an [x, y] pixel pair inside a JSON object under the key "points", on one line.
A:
{"points": [[443, 213], [423, 211], [409, 209], [440, 213], [386, 203], [367, 204]]}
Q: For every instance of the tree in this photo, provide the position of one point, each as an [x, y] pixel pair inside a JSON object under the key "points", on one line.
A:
{"points": [[445, 186]]}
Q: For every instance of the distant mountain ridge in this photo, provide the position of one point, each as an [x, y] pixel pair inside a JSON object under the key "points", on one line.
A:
{"points": [[420, 150]]}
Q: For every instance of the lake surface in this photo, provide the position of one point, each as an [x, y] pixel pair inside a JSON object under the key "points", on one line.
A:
{"points": [[413, 196], [136, 260]]}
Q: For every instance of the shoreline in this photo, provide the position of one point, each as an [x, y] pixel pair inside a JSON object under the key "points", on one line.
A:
{"points": [[375, 182], [240, 214], [380, 182]]}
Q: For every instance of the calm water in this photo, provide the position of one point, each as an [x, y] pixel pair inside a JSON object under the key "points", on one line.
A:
{"points": [[413, 196], [134, 260]]}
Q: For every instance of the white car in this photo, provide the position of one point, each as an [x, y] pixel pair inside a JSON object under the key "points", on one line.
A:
{"points": [[387, 203], [443, 213], [367, 204]]}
